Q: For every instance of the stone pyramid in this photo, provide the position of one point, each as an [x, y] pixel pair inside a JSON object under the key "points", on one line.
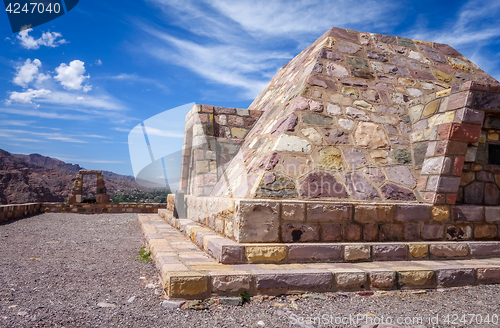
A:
{"points": [[340, 122]]}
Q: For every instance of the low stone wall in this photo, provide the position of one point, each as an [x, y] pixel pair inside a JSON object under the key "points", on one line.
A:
{"points": [[285, 221], [17, 211]]}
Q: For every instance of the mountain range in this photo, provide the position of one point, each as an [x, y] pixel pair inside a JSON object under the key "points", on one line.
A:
{"points": [[37, 178]]}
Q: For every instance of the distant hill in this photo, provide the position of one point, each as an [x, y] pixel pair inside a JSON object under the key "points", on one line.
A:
{"points": [[38, 178]]}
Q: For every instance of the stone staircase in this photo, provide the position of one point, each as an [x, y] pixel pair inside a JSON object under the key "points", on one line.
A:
{"points": [[195, 262]]}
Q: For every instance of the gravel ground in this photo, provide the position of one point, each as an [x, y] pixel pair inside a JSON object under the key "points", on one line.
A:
{"points": [[70, 270]]}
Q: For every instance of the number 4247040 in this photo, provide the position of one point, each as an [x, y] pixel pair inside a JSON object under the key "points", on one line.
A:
{"points": [[33, 7]]}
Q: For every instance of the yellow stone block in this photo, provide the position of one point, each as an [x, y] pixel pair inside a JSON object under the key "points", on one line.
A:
{"points": [[493, 136], [431, 108], [443, 76], [443, 92], [173, 267], [211, 118], [467, 177], [265, 253], [418, 250], [185, 284], [238, 133], [415, 278], [440, 213], [449, 117], [195, 231]]}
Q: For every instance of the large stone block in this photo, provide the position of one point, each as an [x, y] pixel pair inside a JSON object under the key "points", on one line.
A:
{"points": [[314, 253], [413, 212], [467, 213], [449, 250], [293, 211], [299, 232], [374, 213], [230, 282], [390, 252], [187, 285], [488, 275], [256, 221], [381, 278], [484, 249], [409, 278], [265, 253], [357, 252], [454, 277], [282, 281], [349, 279], [329, 213]]}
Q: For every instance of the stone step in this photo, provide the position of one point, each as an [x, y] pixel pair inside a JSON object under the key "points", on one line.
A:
{"points": [[189, 273], [227, 251]]}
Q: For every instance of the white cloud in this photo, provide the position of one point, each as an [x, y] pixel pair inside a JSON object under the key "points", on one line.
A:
{"points": [[240, 43], [98, 62], [48, 39], [49, 136], [25, 97], [28, 72], [71, 76], [15, 122]]}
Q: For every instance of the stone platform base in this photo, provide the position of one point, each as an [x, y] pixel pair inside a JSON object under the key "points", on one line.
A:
{"points": [[188, 272]]}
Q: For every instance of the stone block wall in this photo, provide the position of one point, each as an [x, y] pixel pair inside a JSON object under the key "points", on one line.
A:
{"points": [[450, 139], [18, 211], [289, 221], [213, 136]]}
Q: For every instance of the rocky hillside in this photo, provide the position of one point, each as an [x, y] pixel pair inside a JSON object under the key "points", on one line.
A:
{"points": [[37, 178]]}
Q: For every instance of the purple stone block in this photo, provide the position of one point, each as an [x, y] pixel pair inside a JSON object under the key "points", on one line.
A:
{"points": [[467, 213], [390, 252], [314, 253], [413, 212]]}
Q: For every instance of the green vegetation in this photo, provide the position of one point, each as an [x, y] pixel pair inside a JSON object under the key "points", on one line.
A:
{"points": [[143, 256], [245, 297], [140, 196]]}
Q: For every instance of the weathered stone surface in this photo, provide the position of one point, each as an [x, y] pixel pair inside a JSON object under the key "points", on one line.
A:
{"points": [[292, 143], [394, 192], [370, 135], [333, 109], [314, 253], [322, 81], [346, 124], [350, 279], [412, 212], [357, 62], [276, 186], [463, 213], [330, 55], [316, 119], [432, 54], [484, 100], [455, 277], [348, 47], [331, 232], [411, 232], [415, 278], [391, 232], [281, 281], [256, 221], [402, 156], [488, 275], [355, 157], [485, 231], [362, 73], [400, 175], [186, 284], [418, 251], [357, 114], [299, 232], [377, 56], [313, 135], [433, 232], [234, 282], [440, 213], [359, 187], [336, 70], [389, 252], [382, 278], [370, 232], [458, 233], [374, 213], [265, 253], [484, 249], [375, 174], [320, 184], [449, 250], [293, 211], [336, 136], [357, 252], [492, 214], [419, 153], [474, 193], [330, 159], [331, 213]]}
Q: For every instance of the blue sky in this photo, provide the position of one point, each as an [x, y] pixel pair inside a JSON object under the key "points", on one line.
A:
{"points": [[74, 88]]}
